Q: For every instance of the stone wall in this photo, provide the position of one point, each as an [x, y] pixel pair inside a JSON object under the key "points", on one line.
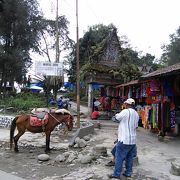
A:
{"points": [[5, 121]]}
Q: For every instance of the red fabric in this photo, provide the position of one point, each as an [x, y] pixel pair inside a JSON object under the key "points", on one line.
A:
{"points": [[95, 114], [34, 121], [113, 103], [101, 99]]}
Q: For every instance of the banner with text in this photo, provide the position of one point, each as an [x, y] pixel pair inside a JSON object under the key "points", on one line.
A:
{"points": [[45, 68]]}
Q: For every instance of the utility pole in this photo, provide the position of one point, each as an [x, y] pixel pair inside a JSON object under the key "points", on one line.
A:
{"points": [[77, 68], [57, 34], [57, 47]]}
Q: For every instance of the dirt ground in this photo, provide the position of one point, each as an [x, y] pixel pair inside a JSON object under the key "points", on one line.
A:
{"points": [[26, 164], [155, 157]]}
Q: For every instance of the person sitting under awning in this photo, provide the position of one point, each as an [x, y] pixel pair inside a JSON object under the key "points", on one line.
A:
{"points": [[95, 114]]}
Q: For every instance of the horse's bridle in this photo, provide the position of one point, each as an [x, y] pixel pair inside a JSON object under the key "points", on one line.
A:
{"points": [[57, 119]]}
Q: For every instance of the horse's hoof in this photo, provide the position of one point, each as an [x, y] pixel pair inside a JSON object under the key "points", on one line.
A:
{"points": [[47, 150], [16, 150]]}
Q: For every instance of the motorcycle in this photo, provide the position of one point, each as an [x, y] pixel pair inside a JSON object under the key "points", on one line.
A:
{"points": [[63, 103]]}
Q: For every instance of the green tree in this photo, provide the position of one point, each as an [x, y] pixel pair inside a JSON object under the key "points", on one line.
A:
{"points": [[91, 46], [171, 51], [147, 59], [48, 32], [20, 23], [47, 47]]}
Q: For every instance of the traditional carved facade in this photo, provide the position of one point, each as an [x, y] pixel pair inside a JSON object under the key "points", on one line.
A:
{"points": [[107, 57], [104, 64]]}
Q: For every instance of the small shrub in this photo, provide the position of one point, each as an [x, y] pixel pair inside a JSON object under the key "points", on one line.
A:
{"points": [[24, 101]]}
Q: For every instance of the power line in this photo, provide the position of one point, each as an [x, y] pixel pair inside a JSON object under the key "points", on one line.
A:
{"points": [[71, 7], [93, 12]]}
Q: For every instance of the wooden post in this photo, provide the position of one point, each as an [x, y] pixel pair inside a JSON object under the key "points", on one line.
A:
{"points": [[77, 68]]}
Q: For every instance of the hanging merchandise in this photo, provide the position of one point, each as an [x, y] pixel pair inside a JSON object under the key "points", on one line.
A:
{"points": [[103, 92], [167, 88], [176, 87], [154, 86], [114, 103], [154, 115], [143, 89], [153, 99], [138, 91], [166, 116], [144, 112], [130, 92], [172, 115]]}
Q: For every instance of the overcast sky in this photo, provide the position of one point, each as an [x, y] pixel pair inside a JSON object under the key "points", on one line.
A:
{"points": [[146, 23]]}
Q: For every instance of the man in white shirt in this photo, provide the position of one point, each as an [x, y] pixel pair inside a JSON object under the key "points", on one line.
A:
{"points": [[126, 146]]}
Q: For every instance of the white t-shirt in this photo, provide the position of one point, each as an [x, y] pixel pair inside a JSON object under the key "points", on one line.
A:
{"points": [[128, 123]]}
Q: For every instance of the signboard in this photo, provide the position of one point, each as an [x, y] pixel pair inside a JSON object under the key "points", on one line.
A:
{"points": [[48, 68]]}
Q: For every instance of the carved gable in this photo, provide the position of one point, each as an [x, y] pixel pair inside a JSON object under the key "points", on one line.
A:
{"points": [[110, 54]]}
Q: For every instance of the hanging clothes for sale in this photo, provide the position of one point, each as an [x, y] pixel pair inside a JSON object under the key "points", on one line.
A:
{"points": [[176, 86], [114, 103], [154, 115], [103, 92], [168, 91], [172, 115], [166, 116], [143, 89], [130, 92]]}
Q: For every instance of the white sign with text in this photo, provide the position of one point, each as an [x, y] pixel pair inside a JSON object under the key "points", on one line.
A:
{"points": [[48, 68]]}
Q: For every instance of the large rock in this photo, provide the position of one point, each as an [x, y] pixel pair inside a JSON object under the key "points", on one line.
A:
{"points": [[86, 159], [71, 157], [87, 138], [175, 168], [60, 158], [43, 157], [86, 128], [100, 150], [81, 143]]}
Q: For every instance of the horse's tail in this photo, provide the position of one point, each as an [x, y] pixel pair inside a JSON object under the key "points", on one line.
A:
{"points": [[12, 129]]}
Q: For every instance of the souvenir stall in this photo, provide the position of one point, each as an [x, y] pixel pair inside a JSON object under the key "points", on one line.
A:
{"points": [[110, 101], [149, 109], [157, 97], [162, 94]]}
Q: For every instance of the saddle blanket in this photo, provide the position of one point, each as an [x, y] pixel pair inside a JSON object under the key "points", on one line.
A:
{"points": [[35, 121]]}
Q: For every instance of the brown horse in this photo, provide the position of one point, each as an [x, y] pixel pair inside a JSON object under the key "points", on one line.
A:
{"points": [[22, 123]]}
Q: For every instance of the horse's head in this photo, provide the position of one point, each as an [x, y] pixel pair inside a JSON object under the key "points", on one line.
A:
{"points": [[67, 118], [69, 122]]}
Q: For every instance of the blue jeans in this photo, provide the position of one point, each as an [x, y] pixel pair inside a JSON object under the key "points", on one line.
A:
{"points": [[113, 151], [123, 152]]}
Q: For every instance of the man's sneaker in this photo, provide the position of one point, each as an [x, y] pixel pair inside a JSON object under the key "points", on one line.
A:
{"points": [[111, 176], [110, 163], [127, 176]]}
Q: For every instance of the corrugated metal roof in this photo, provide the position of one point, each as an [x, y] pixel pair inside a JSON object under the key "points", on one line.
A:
{"points": [[163, 71]]}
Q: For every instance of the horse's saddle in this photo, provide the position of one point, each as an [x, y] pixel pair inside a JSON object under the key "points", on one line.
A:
{"points": [[39, 119], [39, 115]]}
